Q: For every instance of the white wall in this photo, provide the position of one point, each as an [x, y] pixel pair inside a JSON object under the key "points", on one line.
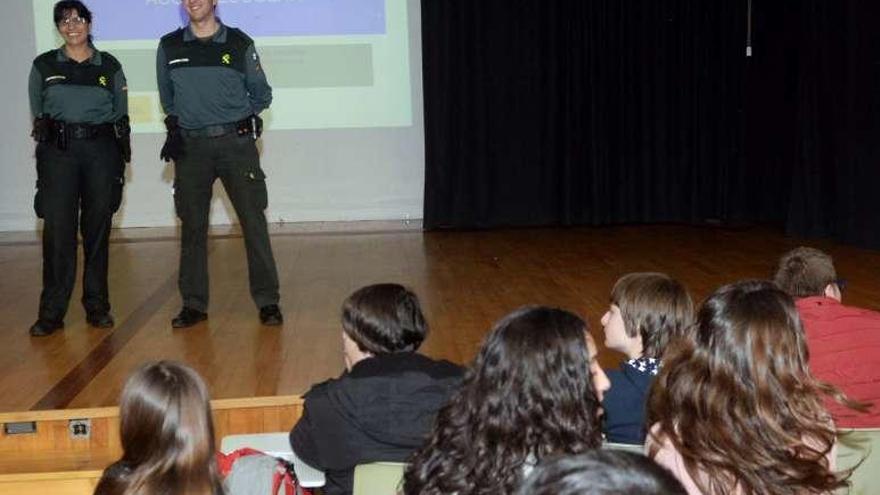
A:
{"points": [[316, 175]]}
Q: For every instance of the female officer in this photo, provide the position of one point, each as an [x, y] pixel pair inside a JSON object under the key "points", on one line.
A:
{"points": [[79, 102]]}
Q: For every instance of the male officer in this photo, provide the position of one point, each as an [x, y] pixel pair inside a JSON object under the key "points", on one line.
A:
{"points": [[212, 87]]}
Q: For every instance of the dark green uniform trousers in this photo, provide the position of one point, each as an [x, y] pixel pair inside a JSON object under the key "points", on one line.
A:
{"points": [[78, 188], [235, 160]]}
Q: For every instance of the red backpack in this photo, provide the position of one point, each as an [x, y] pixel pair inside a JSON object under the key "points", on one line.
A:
{"points": [[251, 472]]}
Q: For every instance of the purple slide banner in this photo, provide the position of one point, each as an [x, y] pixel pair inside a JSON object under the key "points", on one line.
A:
{"points": [[116, 20]]}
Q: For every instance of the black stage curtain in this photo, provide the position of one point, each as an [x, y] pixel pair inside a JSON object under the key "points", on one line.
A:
{"points": [[835, 74], [544, 112]]}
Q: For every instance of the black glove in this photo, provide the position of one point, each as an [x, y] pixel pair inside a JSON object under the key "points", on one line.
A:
{"points": [[173, 147], [122, 129], [44, 128]]}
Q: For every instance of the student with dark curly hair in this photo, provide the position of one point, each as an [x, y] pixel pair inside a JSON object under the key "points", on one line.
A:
{"points": [[533, 391], [735, 410], [383, 405], [601, 472], [647, 311], [167, 435]]}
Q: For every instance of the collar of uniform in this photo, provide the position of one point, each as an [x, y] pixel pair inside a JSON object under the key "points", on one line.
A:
{"points": [[95, 59], [219, 36]]}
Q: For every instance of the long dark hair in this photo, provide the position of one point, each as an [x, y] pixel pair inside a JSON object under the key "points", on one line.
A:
{"points": [[167, 435], [738, 401], [527, 395]]}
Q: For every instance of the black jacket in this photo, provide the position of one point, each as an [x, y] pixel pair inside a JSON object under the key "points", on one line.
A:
{"points": [[625, 403], [381, 411]]}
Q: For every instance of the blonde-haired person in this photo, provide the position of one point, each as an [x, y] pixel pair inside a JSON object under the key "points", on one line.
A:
{"points": [[647, 310], [167, 436], [735, 409]]}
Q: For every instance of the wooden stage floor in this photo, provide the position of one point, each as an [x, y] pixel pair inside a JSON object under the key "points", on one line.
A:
{"points": [[466, 281]]}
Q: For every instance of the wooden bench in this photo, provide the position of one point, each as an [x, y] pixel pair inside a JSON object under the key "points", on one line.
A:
{"points": [[50, 461]]}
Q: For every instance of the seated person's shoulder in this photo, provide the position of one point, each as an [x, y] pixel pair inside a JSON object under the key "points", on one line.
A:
{"points": [[373, 381], [626, 383], [871, 314], [404, 363], [616, 373], [444, 368], [439, 366], [320, 391]]}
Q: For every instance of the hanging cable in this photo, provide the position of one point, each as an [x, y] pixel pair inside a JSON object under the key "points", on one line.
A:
{"points": [[749, 31]]}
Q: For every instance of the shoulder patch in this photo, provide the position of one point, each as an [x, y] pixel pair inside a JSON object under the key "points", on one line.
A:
{"points": [[176, 33], [112, 62], [236, 38], [46, 64], [238, 33], [48, 56]]}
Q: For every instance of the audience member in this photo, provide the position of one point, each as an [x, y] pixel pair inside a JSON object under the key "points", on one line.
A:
{"points": [[167, 436], [735, 410], [646, 311], [383, 405], [534, 390], [844, 341], [601, 472]]}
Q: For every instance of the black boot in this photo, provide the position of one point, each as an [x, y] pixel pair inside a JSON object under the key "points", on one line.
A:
{"points": [[188, 317], [271, 315], [100, 320], [45, 327]]}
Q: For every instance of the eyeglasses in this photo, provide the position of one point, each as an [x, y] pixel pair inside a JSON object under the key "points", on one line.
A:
{"points": [[841, 284], [73, 21]]}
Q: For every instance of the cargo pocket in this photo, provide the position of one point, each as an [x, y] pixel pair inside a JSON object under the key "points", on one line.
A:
{"points": [[38, 193], [38, 201], [117, 184], [116, 193], [256, 184], [175, 194]]}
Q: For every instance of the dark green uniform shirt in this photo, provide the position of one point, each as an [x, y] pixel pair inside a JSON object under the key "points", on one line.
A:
{"points": [[91, 92], [210, 82]]}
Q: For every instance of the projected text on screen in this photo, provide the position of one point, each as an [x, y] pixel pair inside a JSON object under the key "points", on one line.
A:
{"points": [[331, 63], [262, 18]]}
